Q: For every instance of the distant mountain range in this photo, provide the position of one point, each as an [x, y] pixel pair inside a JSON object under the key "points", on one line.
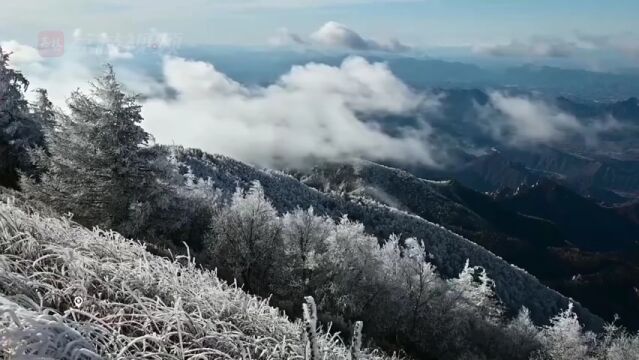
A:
{"points": [[608, 181], [584, 224], [606, 170]]}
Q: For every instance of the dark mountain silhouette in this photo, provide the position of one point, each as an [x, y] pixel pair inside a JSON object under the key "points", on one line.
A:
{"points": [[492, 172], [585, 224], [630, 211], [605, 180]]}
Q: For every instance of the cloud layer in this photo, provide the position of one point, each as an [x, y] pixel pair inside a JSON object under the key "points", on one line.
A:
{"points": [[314, 111], [627, 44], [536, 47], [554, 47]]}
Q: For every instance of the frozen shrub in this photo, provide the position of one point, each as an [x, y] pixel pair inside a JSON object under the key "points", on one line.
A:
{"points": [[246, 241], [304, 239], [478, 290], [564, 338]]}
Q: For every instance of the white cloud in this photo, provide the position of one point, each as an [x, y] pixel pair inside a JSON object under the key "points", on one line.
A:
{"points": [[115, 53], [338, 35], [522, 121], [525, 120], [313, 111], [535, 47], [73, 70], [627, 44], [58, 77], [284, 37], [21, 54], [335, 35]]}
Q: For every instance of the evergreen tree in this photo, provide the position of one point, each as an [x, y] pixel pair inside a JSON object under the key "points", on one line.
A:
{"points": [[43, 112], [18, 132], [100, 167]]}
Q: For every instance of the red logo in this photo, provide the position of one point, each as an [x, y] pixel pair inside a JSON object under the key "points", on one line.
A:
{"points": [[51, 43]]}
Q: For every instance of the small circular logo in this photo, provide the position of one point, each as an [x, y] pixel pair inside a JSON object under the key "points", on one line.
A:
{"points": [[78, 301]]}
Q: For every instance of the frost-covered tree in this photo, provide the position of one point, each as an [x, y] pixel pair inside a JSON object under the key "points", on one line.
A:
{"points": [[246, 241], [187, 216], [565, 339], [413, 282], [421, 281], [524, 333], [100, 167], [617, 344], [18, 131], [43, 111], [478, 290], [351, 263], [304, 238]]}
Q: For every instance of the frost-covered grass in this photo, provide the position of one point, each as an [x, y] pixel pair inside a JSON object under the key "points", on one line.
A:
{"points": [[134, 304]]}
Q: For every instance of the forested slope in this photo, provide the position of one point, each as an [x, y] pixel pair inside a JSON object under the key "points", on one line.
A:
{"points": [[449, 251]]}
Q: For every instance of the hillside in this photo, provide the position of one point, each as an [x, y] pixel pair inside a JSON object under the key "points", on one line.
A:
{"points": [[73, 293], [534, 242], [446, 203], [449, 251]]}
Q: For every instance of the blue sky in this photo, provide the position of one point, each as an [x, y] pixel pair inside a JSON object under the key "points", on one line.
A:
{"points": [[457, 22], [250, 22]]}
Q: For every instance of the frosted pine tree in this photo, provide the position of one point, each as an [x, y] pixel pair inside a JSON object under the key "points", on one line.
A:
{"points": [[18, 132], [100, 168], [43, 112]]}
